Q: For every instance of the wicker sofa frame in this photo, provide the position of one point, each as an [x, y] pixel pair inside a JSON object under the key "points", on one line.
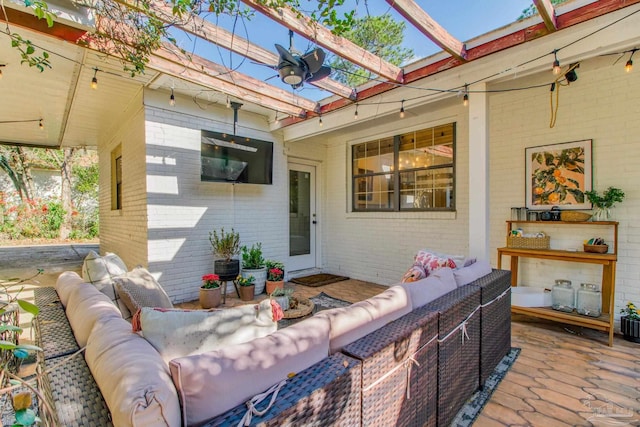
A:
{"points": [[417, 370]]}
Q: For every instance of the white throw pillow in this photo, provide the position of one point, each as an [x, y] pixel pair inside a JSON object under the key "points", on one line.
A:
{"points": [[179, 333]]}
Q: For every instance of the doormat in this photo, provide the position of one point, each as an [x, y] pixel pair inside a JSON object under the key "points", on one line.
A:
{"points": [[318, 279], [321, 302], [470, 411]]}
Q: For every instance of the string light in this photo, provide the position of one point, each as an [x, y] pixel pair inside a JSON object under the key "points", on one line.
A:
{"points": [[556, 64], [465, 98], [94, 80], [172, 99], [628, 67], [40, 124], [402, 109], [320, 120], [1, 65], [355, 115], [277, 120], [228, 102]]}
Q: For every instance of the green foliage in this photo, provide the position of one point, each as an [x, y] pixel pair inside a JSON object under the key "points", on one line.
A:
{"points": [[609, 198], [532, 9], [282, 292], [225, 245], [31, 219], [85, 180], [380, 35], [252, 257], [28, 53], [245, 281]]}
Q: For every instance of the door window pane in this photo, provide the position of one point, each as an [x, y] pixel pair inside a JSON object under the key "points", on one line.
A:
{"points": [[299, 213]]}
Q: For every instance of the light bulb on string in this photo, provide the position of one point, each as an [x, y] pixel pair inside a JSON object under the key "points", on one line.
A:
{"points": [[276, 120], [556, 64], [320, 120], [355, 115], [94, 80], [628, 67], [402, 109], [40, 124], [465, 97], [172, 99], [1, 65]]}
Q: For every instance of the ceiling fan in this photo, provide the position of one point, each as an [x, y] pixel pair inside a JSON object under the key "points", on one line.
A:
{"points": [[295, 69]]}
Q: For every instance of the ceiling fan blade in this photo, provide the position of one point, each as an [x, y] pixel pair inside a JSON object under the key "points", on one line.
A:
{"points": [[323, 72], [286, 55], [314, 59]]}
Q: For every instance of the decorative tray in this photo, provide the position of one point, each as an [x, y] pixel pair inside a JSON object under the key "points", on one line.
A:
{"points": [[304, 307]]}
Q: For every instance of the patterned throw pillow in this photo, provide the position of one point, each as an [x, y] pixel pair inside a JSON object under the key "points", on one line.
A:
{"points": [[138, 288], [415, 273], [431, 261]]}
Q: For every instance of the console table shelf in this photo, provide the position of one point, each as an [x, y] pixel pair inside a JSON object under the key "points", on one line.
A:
{"points": [[607, 260]]}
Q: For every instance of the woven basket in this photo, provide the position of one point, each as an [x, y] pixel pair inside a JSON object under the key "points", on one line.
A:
{"points": [[528, 242], [574, 216], [598, 249]]}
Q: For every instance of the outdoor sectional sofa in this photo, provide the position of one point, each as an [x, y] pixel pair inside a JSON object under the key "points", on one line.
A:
{"points": [[417, 352]]}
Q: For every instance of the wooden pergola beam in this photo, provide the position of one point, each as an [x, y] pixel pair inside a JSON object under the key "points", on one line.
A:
{"points": [[548, 14], [212, 33], [413, 13], [315, 32]]}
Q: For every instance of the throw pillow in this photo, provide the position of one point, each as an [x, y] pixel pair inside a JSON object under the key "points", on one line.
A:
{"points": [[432, 261], [416, 272], [473, 272], [178, 333], [138, 288], [100, 271]]}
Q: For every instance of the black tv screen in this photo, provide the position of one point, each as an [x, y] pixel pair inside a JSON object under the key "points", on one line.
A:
{"points": [[232, 158]]}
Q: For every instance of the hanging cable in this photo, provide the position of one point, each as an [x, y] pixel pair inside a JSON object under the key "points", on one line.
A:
{"points": [[555, 87]]}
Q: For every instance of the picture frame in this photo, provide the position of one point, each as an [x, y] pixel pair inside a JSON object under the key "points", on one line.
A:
{"points": [[558, 175]]}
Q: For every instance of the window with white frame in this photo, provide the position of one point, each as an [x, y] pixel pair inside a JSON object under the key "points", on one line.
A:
{"points": [[413, 171]]}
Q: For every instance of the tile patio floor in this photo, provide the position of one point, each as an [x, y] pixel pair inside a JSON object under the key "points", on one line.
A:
{"points": [[564, 376]]}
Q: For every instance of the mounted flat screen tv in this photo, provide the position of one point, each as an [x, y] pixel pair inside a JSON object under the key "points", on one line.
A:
{"points": [[227, 158]]}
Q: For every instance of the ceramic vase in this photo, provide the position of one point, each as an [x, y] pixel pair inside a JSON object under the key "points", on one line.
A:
{"points": [[246, 292], [260, 276], [210, 298], [273, 285]]}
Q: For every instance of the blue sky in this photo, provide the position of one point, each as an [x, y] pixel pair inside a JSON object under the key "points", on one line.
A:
{"points": [[464, 19]]}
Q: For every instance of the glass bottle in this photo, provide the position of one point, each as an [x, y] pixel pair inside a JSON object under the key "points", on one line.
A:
{"points": [[589, 300], [563, 296]]}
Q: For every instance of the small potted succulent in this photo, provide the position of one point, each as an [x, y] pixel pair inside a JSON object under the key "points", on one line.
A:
{"points": [[225, 246], [253, 264], [246, 287], [630, 323], [275, 276], [210, 295]]}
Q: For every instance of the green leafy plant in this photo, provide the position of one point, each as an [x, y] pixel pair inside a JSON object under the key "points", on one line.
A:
{"points": [[606, 200], [12, 354], [631, 311], [245, 281], [282, 292], [210, 281], [275, 270], [225, 245], [252, 257]]}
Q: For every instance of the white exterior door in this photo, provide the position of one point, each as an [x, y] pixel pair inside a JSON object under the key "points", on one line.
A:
{"points": [[302, 217]]}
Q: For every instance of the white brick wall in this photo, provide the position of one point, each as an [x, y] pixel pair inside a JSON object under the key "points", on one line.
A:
{"points": [[601, 105]]}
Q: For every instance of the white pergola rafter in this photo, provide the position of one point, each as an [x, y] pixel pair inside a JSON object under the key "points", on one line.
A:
{"points": [[547, 13], [212, 33], [322, 36], [413, 13]]}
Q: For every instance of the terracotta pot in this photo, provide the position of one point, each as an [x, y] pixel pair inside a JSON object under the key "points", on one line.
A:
{"points": [[210, 298], [246, 292], [630, 329], [272, 286]]}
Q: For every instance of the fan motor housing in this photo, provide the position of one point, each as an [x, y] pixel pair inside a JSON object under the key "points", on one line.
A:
{"points": [[291, 74]]}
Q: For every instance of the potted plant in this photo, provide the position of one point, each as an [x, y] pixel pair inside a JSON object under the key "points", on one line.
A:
{"points": [[603, 203], [253, 264], [275, 275], [225, 246], [630, 323], [246, 287], [210, 295], [281, 295]]}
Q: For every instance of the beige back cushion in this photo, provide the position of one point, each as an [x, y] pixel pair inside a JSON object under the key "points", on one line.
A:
{"points": [[85, 306], [349, 324], [133, 378], [178, 333], [211, 383], [439, 282], [66, 284]]}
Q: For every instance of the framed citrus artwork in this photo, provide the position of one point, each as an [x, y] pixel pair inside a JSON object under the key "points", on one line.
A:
{"points": [[558, 175]]}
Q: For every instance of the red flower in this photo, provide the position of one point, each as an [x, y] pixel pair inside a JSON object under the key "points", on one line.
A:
{"points": [[45, 209]]}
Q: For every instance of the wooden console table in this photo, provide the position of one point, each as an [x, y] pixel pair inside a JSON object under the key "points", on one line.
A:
{"points": [[608, 262]]}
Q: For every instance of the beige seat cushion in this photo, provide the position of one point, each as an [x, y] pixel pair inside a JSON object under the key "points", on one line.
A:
{"points": [[66, 284], [349, 324], [138, 288], [132, 377], [440, 282], [178, 333], [85, 306], [211, 383]]}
